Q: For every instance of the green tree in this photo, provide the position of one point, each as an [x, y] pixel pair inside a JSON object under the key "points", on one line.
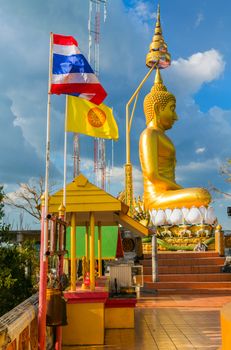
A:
{"points": [[16, 277], [19, 266]]}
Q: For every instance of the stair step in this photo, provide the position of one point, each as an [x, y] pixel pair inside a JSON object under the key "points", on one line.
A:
{"points": [[187, 285], [187, 272], [186, 261], [175, 255], [205, 277], [213, 291], [185, 269]]}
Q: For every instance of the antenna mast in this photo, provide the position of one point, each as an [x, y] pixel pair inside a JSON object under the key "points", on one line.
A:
{"points": [[93, 58], [76, 155]]}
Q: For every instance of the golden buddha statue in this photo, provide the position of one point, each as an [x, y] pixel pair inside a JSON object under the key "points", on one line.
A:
{"points": [[158, 155]]}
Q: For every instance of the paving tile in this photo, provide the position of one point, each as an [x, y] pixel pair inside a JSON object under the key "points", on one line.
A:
{"points": [[169, 323]]}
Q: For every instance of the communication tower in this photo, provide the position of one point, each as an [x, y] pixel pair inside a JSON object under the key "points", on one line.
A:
{"points": [[93, 58], [76, 155]]}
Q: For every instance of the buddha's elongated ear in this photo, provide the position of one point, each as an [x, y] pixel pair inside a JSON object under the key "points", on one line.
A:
{"points": [[155, 115], [156, 109]]}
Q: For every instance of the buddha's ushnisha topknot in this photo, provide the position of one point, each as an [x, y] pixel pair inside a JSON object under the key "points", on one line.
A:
{"points": [[158, 95]]}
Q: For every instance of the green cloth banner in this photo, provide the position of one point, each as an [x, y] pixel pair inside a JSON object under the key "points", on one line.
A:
{"points": [[109, 238]]}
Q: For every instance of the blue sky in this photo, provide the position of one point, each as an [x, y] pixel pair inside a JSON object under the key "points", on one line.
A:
{"points": [[198, 38]]}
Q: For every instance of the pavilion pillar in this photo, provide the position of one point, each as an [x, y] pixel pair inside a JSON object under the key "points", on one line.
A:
{"points": [[87, 242], [92, 251], [73, 252], [99, 249]]}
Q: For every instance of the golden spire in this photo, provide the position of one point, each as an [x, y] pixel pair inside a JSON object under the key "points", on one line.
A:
{"points": [[158, 16], [158, 50], [158, 82], [158, 78]]}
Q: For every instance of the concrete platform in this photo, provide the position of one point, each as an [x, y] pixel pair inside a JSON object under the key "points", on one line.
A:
{"points": [[169, 322]]}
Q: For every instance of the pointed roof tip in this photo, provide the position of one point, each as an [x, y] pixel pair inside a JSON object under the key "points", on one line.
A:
{"points": [[80, 180], [158, 13], [158, 78], [158, 24]]}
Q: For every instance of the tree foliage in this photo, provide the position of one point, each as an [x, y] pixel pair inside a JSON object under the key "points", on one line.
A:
{"points": [[17, 274], [19, 266]]}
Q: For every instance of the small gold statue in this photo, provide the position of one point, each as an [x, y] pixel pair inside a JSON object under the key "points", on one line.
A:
{"points": [[85, 273], [158, 155]]}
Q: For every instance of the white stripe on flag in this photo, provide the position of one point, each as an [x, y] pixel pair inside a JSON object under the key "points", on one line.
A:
{"points": [[87, 96], [74, 78], [66, 50]]}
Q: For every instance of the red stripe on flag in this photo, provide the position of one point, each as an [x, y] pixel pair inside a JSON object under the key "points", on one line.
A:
{"points": [[97, 89], [64, 40]]}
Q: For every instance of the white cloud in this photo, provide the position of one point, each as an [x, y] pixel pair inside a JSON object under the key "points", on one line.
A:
{"points": [[188, 75], [194, 166], [220, 120], [117, 180], [200, 150], [199, 19], [195, 169], [143, 11]]}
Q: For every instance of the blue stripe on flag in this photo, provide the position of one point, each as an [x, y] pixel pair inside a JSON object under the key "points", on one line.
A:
{"points": [[74, 94], [70, 64]]}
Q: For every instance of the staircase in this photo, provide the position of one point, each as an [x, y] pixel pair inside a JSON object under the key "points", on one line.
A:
{"points": [[187, 273]]}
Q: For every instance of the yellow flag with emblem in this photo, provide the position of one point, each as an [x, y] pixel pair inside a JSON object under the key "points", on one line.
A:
{"points": [[85, 117]]}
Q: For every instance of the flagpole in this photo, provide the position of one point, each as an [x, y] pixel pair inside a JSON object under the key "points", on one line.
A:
{"points": [[44, 225], [65, 158], [48, 149]]}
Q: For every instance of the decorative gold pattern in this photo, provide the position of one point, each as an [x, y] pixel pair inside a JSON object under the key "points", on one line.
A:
{"points": [[96, 117], [185, 231], [128, 245], [129, 187], [139, 213]]}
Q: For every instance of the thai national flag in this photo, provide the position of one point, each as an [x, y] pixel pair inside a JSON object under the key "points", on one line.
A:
{"points": [[71, 72]]}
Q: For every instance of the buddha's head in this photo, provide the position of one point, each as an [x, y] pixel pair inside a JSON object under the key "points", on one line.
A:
{"points": [[160, 105]]}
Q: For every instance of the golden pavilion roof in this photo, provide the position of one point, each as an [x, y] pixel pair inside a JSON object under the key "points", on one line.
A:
{"points": [[82, 197]]}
